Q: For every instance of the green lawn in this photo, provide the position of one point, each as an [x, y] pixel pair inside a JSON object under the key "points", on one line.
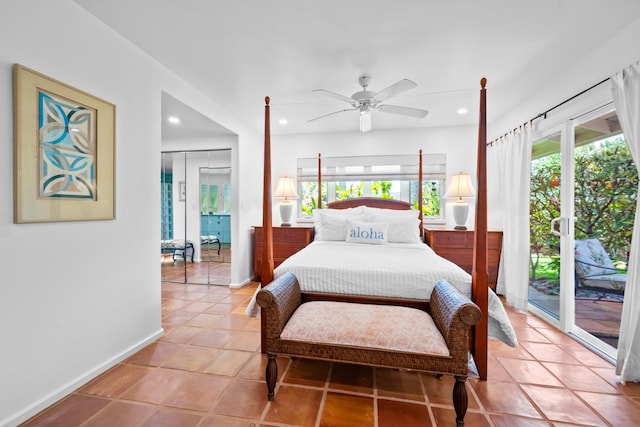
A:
{"points": [[548, 268]]}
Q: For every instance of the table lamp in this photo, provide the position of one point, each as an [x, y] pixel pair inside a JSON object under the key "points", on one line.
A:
{"points": [[460, 187], [286, 189]]}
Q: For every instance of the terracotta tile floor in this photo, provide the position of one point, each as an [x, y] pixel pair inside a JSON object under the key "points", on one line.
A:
{"points": [[213, 270], [208, 371]]}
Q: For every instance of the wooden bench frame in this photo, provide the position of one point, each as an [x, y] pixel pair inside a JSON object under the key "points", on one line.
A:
{"points": [[452, 312]]}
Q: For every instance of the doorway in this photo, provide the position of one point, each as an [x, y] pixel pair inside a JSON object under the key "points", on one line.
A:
{"points": [[196, 217], [582, 207]]}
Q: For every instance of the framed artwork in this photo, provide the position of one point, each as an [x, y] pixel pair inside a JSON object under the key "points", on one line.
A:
{"points": [[182, 191], [64, 151]]}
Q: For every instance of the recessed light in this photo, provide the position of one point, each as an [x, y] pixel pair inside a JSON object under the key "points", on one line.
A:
{"points": [[173, 120], [462, 111], [283, 121]]}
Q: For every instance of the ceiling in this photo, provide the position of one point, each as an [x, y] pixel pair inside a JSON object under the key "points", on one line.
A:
{"points": [[239, 52]]}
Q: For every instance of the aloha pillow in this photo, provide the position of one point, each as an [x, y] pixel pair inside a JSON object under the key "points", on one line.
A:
{"points": [[373, 233]]}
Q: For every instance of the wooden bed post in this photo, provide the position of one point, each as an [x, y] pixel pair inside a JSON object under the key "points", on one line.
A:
{"points": [[319, 204], [420, 195], [266, 273], [479, 274]]}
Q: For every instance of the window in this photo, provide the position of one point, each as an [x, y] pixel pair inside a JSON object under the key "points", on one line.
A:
{"points": [[391, 177], [215, 190], [208, 198]]}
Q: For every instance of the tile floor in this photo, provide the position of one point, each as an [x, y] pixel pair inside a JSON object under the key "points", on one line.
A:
{"points": [[213, 270], [208, 371]]}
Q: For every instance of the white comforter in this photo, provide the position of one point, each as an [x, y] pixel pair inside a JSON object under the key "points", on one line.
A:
{"points": [[408, 270], [403, 270]]}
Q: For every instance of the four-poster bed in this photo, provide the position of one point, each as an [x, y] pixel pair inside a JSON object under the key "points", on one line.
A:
{"points": [[477, 286]]}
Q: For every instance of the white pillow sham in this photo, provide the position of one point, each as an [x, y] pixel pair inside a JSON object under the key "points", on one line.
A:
{"points": [[390, 213], [332, 227], [403, 227], [404, 231], [341, 212], [331, 224]]}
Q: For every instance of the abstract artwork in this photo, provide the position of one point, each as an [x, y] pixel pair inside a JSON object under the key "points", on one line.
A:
{"points": [[67, 155], [64, 151]]}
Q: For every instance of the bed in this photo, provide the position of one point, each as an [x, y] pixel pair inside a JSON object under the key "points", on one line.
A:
{"points": [[476, 284], [348, 261]]}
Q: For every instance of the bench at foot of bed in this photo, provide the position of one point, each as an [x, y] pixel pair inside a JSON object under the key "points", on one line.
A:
{"points": [[179, 248], [370, 334]]}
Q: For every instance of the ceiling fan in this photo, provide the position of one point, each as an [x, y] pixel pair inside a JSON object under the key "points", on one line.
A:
{"points": [[365, 100]]}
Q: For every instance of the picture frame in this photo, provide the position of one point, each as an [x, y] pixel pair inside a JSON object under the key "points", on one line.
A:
{"points": [[64, 151], [182, 191]]}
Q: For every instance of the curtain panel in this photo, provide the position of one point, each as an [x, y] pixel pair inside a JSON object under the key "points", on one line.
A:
{"points": [[625, 87], [513, 159]]}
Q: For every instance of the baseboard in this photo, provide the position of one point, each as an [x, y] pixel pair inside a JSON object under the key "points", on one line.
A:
{"points": [[38, 406], [239, 285]]}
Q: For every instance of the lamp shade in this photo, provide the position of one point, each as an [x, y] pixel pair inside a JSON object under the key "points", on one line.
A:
{"points": [[286, 188], [460, 186]]}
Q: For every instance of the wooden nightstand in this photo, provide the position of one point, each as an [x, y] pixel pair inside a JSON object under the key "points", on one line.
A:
{"points": [[457, 247], [286, 242]]}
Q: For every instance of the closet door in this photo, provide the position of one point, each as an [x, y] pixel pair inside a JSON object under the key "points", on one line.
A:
{"points": [[209, 215], [176, 250]]}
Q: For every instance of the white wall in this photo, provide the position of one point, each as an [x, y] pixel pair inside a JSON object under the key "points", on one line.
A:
{"points": [[603, 61], [77, 297], [458, 143]]}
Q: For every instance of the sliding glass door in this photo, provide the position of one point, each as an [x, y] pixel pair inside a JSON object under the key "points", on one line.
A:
{"points": [[583, 195], [605, 192], [544, 208]]}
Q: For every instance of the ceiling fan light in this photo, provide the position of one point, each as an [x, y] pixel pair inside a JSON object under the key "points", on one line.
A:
{"points": [[365, 121]]}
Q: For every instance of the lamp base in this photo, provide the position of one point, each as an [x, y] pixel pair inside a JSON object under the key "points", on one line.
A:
{"points": [[460, 214], [286, 209]]}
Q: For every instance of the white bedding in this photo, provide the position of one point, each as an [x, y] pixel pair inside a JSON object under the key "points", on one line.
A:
{"points": [[408, 270], [404, 270]]}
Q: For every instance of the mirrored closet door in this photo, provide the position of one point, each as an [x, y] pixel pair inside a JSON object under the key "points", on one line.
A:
{"points": [[196, 217]]}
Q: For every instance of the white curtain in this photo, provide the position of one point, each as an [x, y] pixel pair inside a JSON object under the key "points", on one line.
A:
{"points": [[626, 97], [513, 160]]}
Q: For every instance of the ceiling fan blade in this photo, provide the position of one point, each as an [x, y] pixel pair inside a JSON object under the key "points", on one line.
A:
{"points": [[334, 95], [405, 111], [330, 114], [395, 89]]}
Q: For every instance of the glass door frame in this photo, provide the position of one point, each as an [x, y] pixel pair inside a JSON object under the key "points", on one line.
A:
{"points": [[567, 319], [560, 322], [594, 342]]}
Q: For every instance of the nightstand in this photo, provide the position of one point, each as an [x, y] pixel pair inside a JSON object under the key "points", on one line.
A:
{"points": [[457, 247], [286, 242]]}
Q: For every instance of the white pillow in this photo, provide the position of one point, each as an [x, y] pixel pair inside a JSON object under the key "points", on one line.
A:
{"points": [[404, 231], [389, 214], [403, 227], [331, 224], [373, 233], [331, 227], [342, 212]]}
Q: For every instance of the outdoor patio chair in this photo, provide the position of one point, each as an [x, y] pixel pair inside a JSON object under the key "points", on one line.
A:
{"points": [[595, 271]]}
